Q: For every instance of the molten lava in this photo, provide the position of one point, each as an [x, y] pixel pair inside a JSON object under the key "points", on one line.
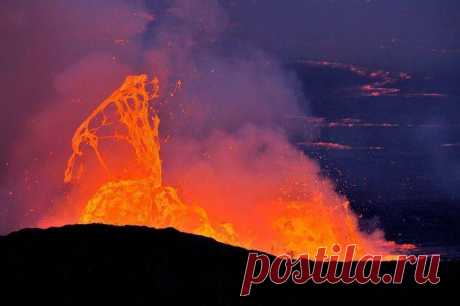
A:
{"points": [[136, 195], [144, 200]]}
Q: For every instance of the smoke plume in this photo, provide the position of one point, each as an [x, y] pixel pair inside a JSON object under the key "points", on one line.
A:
{"points": [[224, 134]]}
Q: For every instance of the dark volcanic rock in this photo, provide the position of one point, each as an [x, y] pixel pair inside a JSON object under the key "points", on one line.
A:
{"points": [[86, 264]]}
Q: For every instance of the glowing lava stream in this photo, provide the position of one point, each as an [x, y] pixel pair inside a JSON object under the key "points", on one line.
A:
{"points": [[139, 197]]}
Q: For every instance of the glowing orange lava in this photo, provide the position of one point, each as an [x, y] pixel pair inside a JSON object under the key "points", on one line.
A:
{"points": [[138, 196]]}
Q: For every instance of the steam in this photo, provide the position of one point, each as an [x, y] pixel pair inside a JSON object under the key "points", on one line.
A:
{"points": [[60, 59], [225, 137]]}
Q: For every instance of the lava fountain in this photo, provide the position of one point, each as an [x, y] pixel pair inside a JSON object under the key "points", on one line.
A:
{"points": [[138, 196]]}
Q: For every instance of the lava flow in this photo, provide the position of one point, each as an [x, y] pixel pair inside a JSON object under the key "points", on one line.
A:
{"points": [[137, 195]]}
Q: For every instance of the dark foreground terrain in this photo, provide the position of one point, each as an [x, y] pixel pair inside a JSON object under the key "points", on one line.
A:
{"points": [[101, 264]]}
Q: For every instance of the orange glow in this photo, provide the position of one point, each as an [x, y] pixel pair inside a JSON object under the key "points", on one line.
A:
{"points": [[133, 191]]}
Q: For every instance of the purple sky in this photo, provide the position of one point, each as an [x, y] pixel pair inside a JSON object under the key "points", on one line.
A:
{"points": [[58, 57]]}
